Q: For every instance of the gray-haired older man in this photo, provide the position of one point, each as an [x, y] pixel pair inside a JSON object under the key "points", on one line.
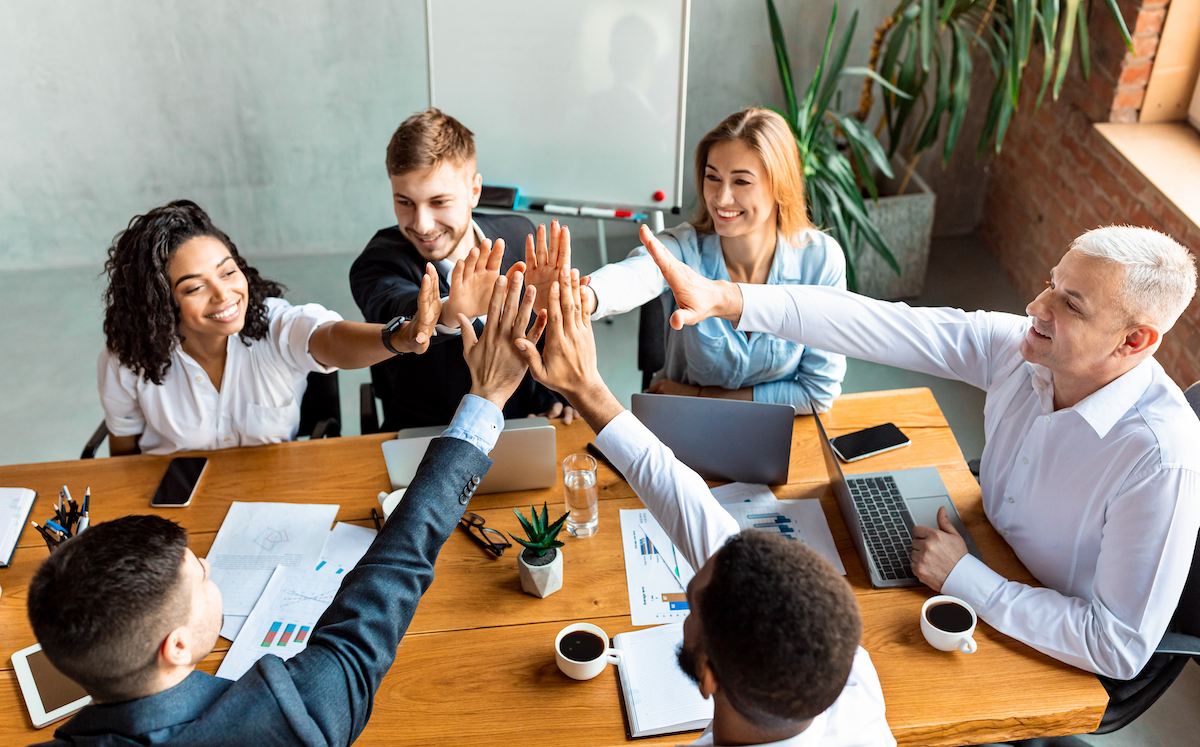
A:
{"points": [[1091, 470]]}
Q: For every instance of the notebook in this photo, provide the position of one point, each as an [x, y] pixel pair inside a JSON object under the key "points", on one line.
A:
{"points": [[659, 698], [16, 504]]}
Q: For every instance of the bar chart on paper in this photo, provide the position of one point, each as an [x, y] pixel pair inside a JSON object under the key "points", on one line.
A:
{"points": [[655, 571]]}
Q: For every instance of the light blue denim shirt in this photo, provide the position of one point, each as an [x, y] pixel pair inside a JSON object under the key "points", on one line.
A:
{"points": [[713, 353]]}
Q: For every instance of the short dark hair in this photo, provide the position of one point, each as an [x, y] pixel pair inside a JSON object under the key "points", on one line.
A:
{"points": [[141, 318], [103, 603], [780, 628], [426, 139]]}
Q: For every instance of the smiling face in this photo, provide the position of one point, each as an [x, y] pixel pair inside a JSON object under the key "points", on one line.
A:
{"points": [[737, 190], [433, 208], [210, 288], [1077, 326]]}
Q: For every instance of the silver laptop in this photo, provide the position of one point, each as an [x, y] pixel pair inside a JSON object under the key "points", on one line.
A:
{"points": [[880, 510], [722, 439], [525, 457]]}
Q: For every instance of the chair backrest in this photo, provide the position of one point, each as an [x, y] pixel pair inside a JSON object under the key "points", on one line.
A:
{"points": [[652, 336], [1187, 613], [1193, 397], [322, 401]]}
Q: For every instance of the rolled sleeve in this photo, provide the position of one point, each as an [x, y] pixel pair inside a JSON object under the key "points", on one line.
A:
{"points": [[478, 422], [291, 327]]}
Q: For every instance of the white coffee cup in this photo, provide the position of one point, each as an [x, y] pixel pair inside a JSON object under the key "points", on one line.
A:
{"points": [[585, 670], [389, 501], [944, 640]]}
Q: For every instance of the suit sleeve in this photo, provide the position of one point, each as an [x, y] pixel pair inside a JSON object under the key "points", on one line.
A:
{"points": [[354, 643]]}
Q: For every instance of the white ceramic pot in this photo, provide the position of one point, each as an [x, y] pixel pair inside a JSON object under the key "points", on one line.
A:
{"points": [[541, 580]]}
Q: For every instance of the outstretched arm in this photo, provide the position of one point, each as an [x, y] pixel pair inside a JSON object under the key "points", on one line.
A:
{"points": [[679, 499]]}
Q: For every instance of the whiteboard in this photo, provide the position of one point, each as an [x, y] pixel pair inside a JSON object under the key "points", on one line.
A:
{"points": [[574, 101]]}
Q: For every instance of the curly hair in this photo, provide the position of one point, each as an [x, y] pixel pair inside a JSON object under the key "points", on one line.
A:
{"points": [[141, 316], [780, 628]]}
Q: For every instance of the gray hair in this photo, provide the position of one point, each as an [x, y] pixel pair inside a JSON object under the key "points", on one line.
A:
{"points": [[1160, 274]]}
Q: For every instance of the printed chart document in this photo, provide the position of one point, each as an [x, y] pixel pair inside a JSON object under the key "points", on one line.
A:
{"points": [[801, 519], [287, 611], [655, 571], [659, 698], [253, 540], [346, 545], [15, 506]]}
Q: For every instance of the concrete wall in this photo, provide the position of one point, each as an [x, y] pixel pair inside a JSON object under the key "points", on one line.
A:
{"points": [[274, 116]]}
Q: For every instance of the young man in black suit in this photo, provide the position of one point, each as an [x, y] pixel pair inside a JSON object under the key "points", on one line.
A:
{"points": [[431, 165]]}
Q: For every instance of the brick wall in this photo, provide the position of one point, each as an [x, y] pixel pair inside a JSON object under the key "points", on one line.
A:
{"points": [[1057, 177]]}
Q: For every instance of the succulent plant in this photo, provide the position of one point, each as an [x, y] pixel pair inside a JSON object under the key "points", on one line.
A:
{"points": [[541, 533]]}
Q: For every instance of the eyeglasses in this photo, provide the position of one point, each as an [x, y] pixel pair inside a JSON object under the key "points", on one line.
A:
{"points": [[492, 540]]}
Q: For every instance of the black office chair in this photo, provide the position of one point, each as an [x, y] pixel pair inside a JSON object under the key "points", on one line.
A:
{"points": [[320, 413], [652, 336], [1128, 700], [379, 388]]}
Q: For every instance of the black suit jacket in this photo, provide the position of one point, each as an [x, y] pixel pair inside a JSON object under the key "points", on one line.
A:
{"points": [[421, 390], [324, 694]]}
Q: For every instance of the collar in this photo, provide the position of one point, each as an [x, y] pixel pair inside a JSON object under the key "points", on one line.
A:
{"points": [[181, 704], [1104, 407]]}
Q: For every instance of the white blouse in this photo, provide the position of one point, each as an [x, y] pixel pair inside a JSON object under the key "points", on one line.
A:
{"points": [[259, 399]]}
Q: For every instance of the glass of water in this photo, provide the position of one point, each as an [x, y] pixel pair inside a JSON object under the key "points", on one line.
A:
{"points": [[579, 490]]}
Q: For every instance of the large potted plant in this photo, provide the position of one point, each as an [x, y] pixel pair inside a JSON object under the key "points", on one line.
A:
{"points": [[540, 563], [885, 240]]}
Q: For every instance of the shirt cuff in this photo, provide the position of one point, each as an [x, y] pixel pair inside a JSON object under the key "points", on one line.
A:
{"points": [[476, 421], [760, 307], [972, 581], [624, 440]]}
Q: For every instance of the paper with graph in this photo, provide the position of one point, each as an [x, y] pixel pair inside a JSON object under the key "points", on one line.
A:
{"points": [[283, 618], [655, 571], [802, 520], [253, 540]]}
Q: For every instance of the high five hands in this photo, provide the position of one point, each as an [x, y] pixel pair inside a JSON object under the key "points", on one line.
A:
{"points": [[698, 297], [497, 367], [472, 281], [547, 257], [414, 335]]}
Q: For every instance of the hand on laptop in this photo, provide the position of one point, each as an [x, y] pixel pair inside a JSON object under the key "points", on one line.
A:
{"points": [[698, 297], [568, 363], [936, 551], [414, 335], [496, 365], [472, 280]]}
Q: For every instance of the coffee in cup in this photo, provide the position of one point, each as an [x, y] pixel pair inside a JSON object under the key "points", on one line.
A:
{"points": [[948, 624], [582, 651]]}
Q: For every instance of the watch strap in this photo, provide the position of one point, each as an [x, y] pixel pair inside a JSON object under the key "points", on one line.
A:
{"points": [[390, 329]]}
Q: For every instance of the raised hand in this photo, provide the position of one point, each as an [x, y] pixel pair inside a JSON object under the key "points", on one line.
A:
{"points": [[497, 367], [547, 259], [472, 280], [698, 297], [414, 335]]}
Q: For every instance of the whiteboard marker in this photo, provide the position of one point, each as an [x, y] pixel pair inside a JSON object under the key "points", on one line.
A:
{"points": [[559, 209], [605, 213]]}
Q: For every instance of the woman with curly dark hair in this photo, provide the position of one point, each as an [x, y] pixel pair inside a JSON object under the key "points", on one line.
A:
{"points": [[204, 353]]}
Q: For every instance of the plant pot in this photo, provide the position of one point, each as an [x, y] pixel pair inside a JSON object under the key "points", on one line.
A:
{"points": [[540, 577], [906, 222]]}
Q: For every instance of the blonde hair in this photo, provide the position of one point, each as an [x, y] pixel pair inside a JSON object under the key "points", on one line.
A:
{"points": [[768, 135], [1160, 274]]}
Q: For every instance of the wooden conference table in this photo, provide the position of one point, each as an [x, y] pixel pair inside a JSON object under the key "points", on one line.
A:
{"points": [[477, 665]]}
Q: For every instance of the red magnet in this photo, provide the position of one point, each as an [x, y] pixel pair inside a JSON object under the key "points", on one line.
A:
{"points": [[659, 196]]}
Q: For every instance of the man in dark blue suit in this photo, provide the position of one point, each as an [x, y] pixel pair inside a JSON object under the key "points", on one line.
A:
{"points": [[435, 188], [127, 610]]}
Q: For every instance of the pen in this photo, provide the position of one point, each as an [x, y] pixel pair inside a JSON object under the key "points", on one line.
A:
{"points": [[57, 527], [375, 518], [51, 542], [607, 213], [559, 209], [87, 496]]}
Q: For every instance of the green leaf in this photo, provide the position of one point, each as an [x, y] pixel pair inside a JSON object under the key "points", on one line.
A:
{"points": [[1006, 111], [941, 100], [836, 64], [990, 121], [805, 116], [960, 96], [927, 17], [877, 78], [1065, 44], [1047, 36], [529, 531], [859, 136], [1085, 57], [553, 530], [782, 63], [545, 518], [1120, 19], [947, 10]]}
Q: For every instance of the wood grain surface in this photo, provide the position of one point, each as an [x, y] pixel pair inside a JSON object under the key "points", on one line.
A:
{"points": [[478, 649]]}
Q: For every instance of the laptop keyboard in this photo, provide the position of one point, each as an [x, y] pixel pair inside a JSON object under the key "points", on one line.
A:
{"points": [[882, 513]]}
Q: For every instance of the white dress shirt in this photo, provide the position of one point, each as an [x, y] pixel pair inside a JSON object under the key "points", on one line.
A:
{"points": [[1100, 501], [259, 399], [687, 511]]}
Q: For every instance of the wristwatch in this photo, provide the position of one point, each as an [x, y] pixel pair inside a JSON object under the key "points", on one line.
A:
{"points": [[390, 329]]}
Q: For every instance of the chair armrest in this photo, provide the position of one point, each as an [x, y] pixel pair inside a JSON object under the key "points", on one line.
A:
{"points": [[1179, 643], [89, 449], [367, 416], [327, 428]]}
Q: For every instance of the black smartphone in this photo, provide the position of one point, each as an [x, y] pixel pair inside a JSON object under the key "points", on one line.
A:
{"points": [[179, 484], [861, 444]]}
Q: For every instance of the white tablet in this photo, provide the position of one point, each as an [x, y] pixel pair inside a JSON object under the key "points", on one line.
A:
{"points": [[49, 694]]}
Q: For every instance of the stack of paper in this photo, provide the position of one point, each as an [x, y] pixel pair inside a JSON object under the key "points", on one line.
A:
{"points": [[15, 506], [755, 507]]}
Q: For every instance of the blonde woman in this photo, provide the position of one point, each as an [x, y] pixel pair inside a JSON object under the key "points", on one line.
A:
{"points": [[751, 226]]}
